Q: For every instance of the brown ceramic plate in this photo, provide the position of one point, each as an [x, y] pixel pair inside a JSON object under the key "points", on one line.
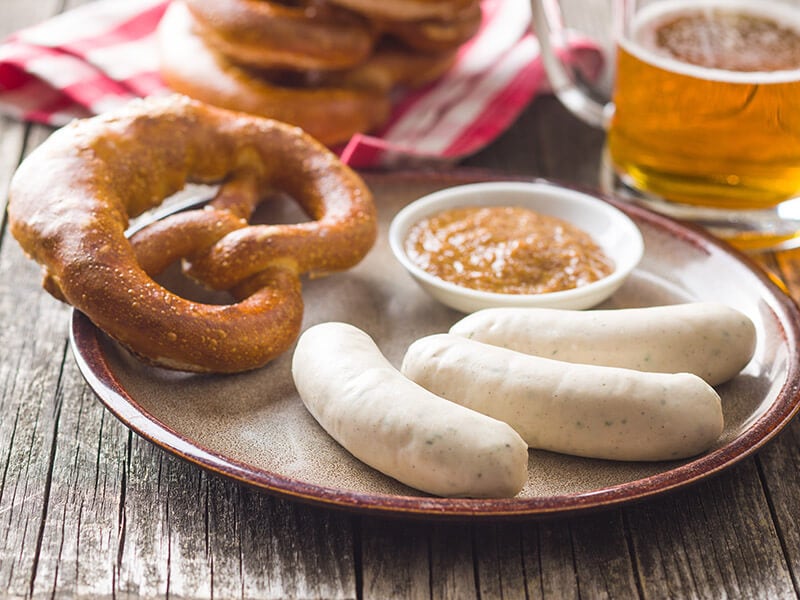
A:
{"points": [[254, 428]]}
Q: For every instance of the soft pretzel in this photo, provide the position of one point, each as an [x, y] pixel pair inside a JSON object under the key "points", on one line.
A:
{"points": [[70, 201], [330, 113], [267, 34]]}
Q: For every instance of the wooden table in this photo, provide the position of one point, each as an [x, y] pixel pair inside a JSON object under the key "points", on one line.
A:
{"points": [[88, 509]]}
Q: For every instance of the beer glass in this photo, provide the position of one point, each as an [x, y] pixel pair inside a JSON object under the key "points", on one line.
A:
{"points": [[701, 104]]}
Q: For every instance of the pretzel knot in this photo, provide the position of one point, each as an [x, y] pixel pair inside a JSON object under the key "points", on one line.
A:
{"points": [[71, 198]]}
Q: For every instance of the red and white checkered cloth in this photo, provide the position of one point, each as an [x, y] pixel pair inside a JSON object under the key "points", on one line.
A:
{"points": [[101, 55]]}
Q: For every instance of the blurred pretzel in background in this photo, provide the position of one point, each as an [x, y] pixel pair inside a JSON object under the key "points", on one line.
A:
{"points": [[328, 66]]}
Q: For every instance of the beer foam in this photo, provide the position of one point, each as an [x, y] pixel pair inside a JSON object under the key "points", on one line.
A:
{"points": [[641, 42]]}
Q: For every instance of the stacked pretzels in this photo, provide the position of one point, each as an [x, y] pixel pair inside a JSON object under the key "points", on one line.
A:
{"points": [[328, 66]]}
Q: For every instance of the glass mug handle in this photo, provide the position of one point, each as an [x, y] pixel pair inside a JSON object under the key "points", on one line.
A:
{"points": [[546, 20]]}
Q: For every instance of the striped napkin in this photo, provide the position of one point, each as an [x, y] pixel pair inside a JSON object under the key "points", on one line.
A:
{"points": [[101, 55]]}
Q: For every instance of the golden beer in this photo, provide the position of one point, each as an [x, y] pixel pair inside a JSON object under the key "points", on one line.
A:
{"points": [[707, 104]]}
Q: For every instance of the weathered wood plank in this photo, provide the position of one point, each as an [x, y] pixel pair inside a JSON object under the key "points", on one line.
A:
{"points": [[395, 559], [447, 560], [603, 563], [780, 467], [780, 460], [500, 564], [452, 561], [32, 349], [194, 535], [83, 527], [549, 560], [317, 543], [713, 540]]}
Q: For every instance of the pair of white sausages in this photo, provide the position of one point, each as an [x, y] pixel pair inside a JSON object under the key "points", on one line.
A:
{"points": [[401, 422], [629, 384], [398, 427]]}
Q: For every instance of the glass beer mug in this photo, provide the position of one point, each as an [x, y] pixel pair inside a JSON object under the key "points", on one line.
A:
{"points": [[701, 107]]}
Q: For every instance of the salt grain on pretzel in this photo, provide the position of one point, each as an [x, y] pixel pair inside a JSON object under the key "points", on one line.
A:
{"points": [[71, 198]]}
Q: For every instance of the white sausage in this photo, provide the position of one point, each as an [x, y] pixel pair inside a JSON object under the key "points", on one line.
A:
{"points": [[399, 428], [585, 410], [708, 339]]}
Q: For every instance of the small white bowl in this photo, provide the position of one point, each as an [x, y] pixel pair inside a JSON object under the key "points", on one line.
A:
{"points": [[610, 228]]}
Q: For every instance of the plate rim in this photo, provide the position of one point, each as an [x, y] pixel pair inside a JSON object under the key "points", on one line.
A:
{"points": [[86, 342]]}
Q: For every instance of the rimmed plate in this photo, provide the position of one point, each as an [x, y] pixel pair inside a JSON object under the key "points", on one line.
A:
{"points": [[253, 427]]}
